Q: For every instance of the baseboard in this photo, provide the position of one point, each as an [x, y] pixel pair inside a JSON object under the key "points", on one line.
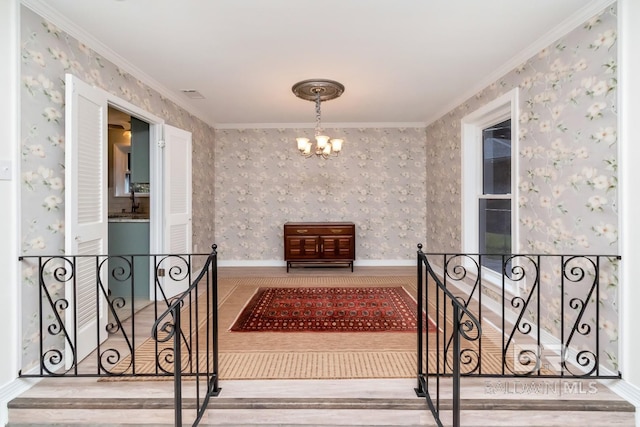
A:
{"points": [[251, 263], [626, 390], [281, 263], [385, 263], [10, 391]]}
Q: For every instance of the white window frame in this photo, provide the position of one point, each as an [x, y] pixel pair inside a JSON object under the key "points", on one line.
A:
{"points": [[472, 125]]}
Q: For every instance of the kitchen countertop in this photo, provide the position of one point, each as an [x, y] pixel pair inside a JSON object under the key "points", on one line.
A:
{"points": [[128, 219], [124, 217]]}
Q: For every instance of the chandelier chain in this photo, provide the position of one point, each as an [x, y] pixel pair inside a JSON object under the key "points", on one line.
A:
{"points": [[318, 101]]}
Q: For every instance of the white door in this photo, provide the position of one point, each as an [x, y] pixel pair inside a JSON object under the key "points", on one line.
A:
{"points": [[177, 208], [86, 223]]}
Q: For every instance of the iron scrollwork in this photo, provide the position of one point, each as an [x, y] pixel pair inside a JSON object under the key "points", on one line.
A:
{"points": [[577, 270]]}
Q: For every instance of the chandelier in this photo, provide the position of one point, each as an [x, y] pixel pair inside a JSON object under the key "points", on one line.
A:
{"points": [[318, 90]]}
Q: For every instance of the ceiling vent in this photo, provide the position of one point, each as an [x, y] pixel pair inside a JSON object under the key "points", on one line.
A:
{"points": [[193, 94]]}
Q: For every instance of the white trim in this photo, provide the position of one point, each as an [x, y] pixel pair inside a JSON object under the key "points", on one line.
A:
{"points": [[505, 106], [155, 167], [12, 390], [253, 263], [334, 125], [627, 391], [629, 174], [10, 221], [53, 16], [501, 108], [554, 34], [385, 263], [280, 263], [564, 28]]}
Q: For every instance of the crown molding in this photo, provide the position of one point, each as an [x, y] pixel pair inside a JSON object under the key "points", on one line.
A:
{"points": [[562, 29], [59, 20], [324, 125]]}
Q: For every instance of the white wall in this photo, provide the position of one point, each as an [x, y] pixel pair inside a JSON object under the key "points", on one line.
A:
{"points": [[9, 22], [629, 134]]}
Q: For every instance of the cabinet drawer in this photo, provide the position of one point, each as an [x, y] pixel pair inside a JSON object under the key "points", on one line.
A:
{"points": [[318, 230]]}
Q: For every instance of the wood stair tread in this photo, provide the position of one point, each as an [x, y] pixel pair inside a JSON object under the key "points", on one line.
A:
{"points": [[324, 403]]}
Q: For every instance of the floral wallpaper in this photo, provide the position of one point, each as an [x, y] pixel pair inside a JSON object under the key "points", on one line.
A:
{"points": [[568, 164], [248, 182], [47, 54], [377, 182], [567, 160]]}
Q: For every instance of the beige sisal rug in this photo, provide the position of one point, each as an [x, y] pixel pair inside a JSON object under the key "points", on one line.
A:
{"points": [[299, 355], [311, 355], [308, 355]]}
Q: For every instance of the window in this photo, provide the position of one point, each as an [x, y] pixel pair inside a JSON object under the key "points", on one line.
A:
{"points": [[494, 213], [488, 186]]}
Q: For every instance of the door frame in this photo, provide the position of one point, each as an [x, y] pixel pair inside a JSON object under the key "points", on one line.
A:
{"points": [[156, 202]]}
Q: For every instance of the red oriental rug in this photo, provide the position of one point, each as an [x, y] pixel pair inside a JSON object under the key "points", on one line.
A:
{"points": [[370, 309]]}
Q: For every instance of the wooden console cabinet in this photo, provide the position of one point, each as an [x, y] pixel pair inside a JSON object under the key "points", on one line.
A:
{"points": [[307, 243]]}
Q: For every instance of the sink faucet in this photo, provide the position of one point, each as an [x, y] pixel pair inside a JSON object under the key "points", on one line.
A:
{"points": [[134, 205]]}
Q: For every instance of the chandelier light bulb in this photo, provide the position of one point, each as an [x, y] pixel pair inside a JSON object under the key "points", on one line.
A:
{"points": [[336, 145], [302, 143], [322, 141]]}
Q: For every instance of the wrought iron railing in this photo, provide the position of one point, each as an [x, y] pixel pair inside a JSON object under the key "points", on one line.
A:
{"points": [[444, 323], [200, 345], [538, 316], [114, 299]]}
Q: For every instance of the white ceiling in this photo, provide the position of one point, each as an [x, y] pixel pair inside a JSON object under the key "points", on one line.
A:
{"points": [[401, 61]]}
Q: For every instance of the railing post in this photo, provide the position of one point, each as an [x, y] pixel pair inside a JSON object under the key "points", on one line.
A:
{"points": [[214, 272], [177, 367], [419, 389], [456, 366]]}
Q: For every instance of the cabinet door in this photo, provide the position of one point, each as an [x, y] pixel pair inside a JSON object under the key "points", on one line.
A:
{"points": [[139, 151], [337, 247], [302, 247]]}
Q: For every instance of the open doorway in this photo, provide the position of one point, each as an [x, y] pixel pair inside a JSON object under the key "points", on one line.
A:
{"points": [[129, 203]]}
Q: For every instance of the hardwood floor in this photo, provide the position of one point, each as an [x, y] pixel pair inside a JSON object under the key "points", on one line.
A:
{"points": [[315, 271], [374, 402]]}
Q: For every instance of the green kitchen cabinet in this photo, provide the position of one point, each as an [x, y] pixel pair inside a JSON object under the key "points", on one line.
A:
{"points": [[127, 237]]}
